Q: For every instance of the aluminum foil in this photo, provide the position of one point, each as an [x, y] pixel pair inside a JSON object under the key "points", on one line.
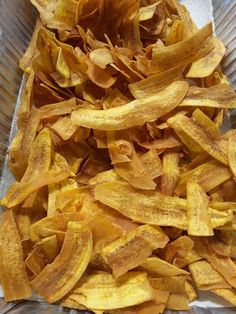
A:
{"points": [[17, 19]]}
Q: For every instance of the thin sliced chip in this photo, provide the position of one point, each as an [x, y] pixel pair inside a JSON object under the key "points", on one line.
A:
{"points": [[177, 250], [173, 284], [139, 171], [149, 86], [132, 249], [199, 135], [205, 66], [40, 156], [223, 264], [206, 277], [205, 122], [65, 128], [147, 12], [143, 206], [217, 96], [171, 173], [130, 289], [232, 154], [23, 221], [134, 113], [159, 268], [20, 148], [205, 176], [54, 223], [59, 277], [26, 100], [185, 51], [190, 292], [18, 192], [25, 62], [199, 220], [177, 302], [36, 261], [12, 269], [227, 294], [49, 247], [105, 176], [176, 33], [57, 109], [101, 57], [222, 206], [54, 190]]}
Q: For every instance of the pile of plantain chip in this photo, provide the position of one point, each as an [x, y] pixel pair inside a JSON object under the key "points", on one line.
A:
{"points": [[125, 195]]}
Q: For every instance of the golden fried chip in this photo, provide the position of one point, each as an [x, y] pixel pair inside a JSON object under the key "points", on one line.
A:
{"points": [[101, 57], [177, 251], [199, 219], [134, 113], [185, 51], [206, 277], [105, 176], [159, 268], [103, 292], [12, 269], [205, 176], [36, 261], [20, 147], [49, 247], [205, 66], [57, 109], [222, 264], [132, 249], [217, 96], [232, 154], [190, 292], [149, 86], [18, 192], [227, 294], [64, 128], [199, 135], [170, 177], [143, 206], [59, 277]]}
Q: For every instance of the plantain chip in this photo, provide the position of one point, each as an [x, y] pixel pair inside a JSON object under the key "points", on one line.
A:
{"points": [[205, 66], [21, 144], [171, 173], [105, 176], [64, 128], [206, 277], [217, 96], [177, 251], [12, 269], [36, 261], [186, 51], [18, 192], [134, 113], [149, 86], [204, 175], [59, 277], [50, 247], [190, 292], [227, 294], [199, 135], [232, 154], [139, 171], [130, 289], [143, 206], [199, 220], [159, 268], [57, 109], [222, 264], [132, 249]]}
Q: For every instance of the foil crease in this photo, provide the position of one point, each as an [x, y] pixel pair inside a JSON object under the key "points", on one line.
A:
{"points": [[17, 19]]}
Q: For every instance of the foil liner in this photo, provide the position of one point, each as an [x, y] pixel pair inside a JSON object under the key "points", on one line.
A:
{"points": [[17, 19]]}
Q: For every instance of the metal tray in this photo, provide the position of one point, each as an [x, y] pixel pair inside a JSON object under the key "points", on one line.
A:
{"points": [[17, 19]]}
